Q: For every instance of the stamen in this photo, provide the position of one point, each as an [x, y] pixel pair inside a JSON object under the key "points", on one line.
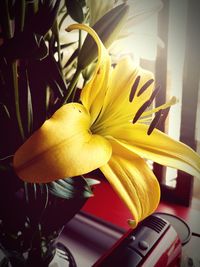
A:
{"points": [[171, 102], [154, 122], [145, 86], [165, 113], [134, 88], [154, 94], [140, 111]]}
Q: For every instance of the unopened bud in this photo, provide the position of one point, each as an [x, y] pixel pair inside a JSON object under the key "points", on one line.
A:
{"points": [[107, 28]]}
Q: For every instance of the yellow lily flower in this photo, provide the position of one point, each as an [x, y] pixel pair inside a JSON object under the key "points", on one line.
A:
{"points": [[109, 130]]}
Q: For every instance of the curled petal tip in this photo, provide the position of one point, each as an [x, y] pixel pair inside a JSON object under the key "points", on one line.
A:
{"points": [[132, 223], [69, 28]]}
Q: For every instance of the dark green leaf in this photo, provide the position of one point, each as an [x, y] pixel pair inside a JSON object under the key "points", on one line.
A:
{"points": [[11, 8], [72, 58], [107, 28], [75, 10], [4, 111], [5, 20], [69, 188], [62, 19], [29, 107], [63, 46], [24, 45], [49, 70], [20, 10], [44, 18]]}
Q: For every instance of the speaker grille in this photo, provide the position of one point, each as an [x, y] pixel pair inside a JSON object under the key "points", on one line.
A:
{"points": [[155, 223]]}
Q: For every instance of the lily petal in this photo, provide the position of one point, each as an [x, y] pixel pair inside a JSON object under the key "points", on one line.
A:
{"points": [[117, 107], [62, 147], [158, 147], [93, 92], [134, 182]]}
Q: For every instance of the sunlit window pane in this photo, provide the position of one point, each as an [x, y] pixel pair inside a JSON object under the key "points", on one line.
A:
{"points": [[175, 62]]}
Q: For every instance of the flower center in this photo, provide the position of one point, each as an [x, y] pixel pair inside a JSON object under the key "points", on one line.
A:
{"points": [[161, 112]]}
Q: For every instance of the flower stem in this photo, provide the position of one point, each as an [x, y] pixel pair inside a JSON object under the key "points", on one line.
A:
{"points": [[8, 30], [79, 39], [58, 45], [72, 85], [7, 21], [22, 14], [16, 95]]}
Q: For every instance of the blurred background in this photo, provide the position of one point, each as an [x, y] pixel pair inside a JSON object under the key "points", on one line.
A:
{"points": [[168, 42]]}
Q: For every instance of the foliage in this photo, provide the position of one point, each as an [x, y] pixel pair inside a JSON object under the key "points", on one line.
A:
{"points": [[33, 84], [66, 110]]}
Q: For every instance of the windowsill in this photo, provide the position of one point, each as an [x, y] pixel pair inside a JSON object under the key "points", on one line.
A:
{"points": [[108, 206], [88, 237]]}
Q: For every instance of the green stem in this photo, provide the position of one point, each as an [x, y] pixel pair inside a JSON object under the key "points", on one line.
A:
{"points": [[29, 106], [79, 40], [22, 14], [35, 6], [62, 19], [86, 17], [74, 93], [72, 85], [26, 192], [7, 21], [14, 73], [16, 95], [58, 45]]}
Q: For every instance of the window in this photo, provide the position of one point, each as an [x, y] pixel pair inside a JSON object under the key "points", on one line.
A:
{"points": [[177, 69]]}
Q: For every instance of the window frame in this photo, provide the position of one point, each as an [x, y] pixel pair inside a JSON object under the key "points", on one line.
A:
{"points": [[182, 193]]}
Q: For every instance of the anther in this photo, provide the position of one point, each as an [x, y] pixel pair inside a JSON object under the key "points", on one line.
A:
{"points": [[140, 111], [134, 88], [165, 113], [154, 94], [145, 86], [154, 122]]}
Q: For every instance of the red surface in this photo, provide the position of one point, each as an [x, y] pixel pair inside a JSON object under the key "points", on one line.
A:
{"points": [[108, 206], [167, 251]]}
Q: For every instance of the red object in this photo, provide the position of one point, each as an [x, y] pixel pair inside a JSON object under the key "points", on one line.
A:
{"points": [[153, 243], [167, 252], [107, 205]]}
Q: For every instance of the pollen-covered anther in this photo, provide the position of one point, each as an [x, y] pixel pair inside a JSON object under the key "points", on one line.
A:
{"points": [[160, 117], [134, 88], [154, 122], [165, 113], [140, 111], [154, 94], [145, 86]]}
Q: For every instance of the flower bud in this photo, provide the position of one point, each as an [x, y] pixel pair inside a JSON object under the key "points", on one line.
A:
{"points": [[107, 28], [75, 10]]}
